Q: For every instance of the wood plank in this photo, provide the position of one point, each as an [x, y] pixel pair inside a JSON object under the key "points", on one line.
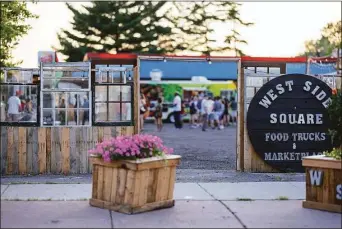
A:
{"points": [[322, 206], [163, 184], [48, 150], [35, 166], [65, 150], [136, 100], [22, 150], [10, 150], [143, 187], [15, 158], [3, 149], [107, 183], [240, 150], [74, 134], [95, 181], [121, 186], [82, 145], [115, 175], [100, 182], [107, 133], [90, 136], [42, 150], [172, 180], [321, 162], [56, 155], [131, 187]]}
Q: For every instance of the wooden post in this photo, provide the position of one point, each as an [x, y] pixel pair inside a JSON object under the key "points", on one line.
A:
{"points": [[136, 109], [241, 117]]}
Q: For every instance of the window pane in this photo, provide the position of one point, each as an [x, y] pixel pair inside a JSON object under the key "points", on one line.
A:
{"points": [[19, 76], [97, 74], [129, 73], [114, 112], [114, 93], [48, 118], [100, 93], [126, 112], [83, 117], [101, 112], [18, 103], [61, 117], [66, 83], [126, 93], [115, 77]]}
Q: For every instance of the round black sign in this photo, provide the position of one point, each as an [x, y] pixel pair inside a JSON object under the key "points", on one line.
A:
{"points": [[287, 119]]}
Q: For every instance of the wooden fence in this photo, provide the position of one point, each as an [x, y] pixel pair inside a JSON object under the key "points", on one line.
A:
{"points": [[37, 150]]}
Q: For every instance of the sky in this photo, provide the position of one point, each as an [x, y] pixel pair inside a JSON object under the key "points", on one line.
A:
{"points": [[280, 28]]}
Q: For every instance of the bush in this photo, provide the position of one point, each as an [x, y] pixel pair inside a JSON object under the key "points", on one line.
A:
{"points": [[335, 129], [130, 148]]}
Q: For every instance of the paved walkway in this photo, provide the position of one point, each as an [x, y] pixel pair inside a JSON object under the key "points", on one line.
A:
{"points": [[198, 205]]}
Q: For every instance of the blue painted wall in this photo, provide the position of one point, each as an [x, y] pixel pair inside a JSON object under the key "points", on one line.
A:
{"points": [[315, 69], [184, 70]]}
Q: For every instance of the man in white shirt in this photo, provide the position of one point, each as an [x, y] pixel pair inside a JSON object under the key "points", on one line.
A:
{"points": [[14, 107], [207, 109], [177, 104]]}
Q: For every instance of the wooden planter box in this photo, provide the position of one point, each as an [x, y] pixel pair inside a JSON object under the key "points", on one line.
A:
{"points": [[134, 186], [323, 183]]}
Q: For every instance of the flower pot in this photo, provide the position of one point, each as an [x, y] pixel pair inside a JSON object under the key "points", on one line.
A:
{"points": [[134, 186], [323, 183]]}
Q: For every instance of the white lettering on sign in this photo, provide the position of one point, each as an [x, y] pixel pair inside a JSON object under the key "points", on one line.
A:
{"points": [[285, 156], [271, 95], [276, 136], [339, 192], [304, 119], [316, 177], [319, 96]]}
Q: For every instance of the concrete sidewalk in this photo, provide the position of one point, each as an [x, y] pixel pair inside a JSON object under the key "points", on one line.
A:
{"points": [[198, 205], [183, 191]]}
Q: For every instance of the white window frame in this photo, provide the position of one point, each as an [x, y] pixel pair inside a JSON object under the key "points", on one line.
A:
{"points": [[71, 67]]}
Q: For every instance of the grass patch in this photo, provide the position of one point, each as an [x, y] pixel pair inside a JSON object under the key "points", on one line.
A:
{"points": [[282, 198], [244, 199], [278, 178]]}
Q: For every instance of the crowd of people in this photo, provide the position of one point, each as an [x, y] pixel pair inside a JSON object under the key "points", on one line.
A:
{"points": [[205, 112]]}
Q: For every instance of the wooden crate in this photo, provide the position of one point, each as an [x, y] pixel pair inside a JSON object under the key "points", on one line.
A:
{"points": [[130, 186], [326, 193]]}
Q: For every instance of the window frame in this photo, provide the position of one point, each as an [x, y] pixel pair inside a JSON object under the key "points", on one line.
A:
{"points": [[65, 91], [107, 102], [36, 84]]}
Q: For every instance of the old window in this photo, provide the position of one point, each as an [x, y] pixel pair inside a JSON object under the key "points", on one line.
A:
{"points": [[113, 95], [19, 97], [65, 94]]}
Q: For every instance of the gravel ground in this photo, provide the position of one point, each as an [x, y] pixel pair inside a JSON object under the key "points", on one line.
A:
{"points": [[206, 157]]}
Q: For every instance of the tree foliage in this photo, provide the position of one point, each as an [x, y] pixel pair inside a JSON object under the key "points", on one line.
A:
{"points": [[335, 117], [327, 43], [148, 27], [13, 26]]}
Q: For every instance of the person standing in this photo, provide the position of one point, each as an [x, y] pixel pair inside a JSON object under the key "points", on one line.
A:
{"points": [[86, 111], [158, 114], [207, 108], [143, 109], [233, 107], [177, 104], [193, 112], [14, 107]]}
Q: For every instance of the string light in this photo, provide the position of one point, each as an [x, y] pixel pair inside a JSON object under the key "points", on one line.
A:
{"points": [[164, 59]]}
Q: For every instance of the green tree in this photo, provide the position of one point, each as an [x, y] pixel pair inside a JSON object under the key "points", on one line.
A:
{"points": [[195, 21], [13, 26], [117, 26], [329, 41]]}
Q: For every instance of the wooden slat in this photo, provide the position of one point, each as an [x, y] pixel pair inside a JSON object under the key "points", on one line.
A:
{"points": [[48, 150], [107, 183], [100, 182], [95, 181], [65, 147], [321, 162], [107, 133], [3, 149], [152, 185], [42, 150], [75, 138], [136, 100], [171, 182], [143, 187], [15, 158], [90, 136], [322, 206], [22, 150], [35, 166], [56, 155], [131, 187], [83, 147], [115, 175], [163, 184], [10, 150], [121, 186]]}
